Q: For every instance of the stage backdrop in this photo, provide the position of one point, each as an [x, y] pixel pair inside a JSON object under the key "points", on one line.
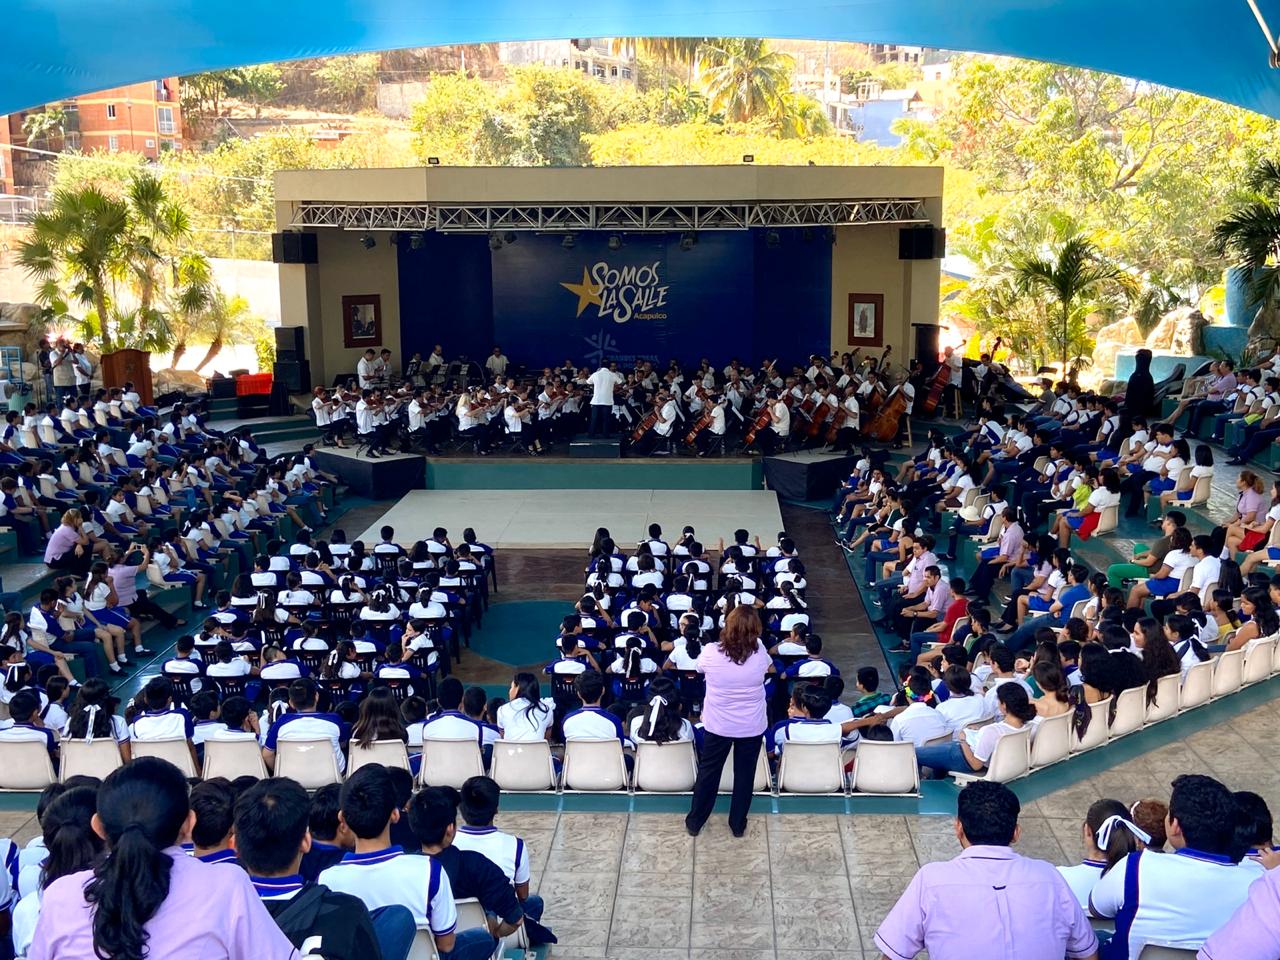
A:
{"points": [[731, 294]]}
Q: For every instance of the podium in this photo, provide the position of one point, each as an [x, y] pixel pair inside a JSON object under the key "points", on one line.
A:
{"points": [[124, 365]]}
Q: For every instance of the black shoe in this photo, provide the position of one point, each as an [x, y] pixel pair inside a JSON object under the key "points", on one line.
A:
{"points": [[692, 831], [900, 648], [141, 652]]}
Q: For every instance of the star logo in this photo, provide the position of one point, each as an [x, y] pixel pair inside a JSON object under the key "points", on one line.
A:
{"points": [[586, 292]]}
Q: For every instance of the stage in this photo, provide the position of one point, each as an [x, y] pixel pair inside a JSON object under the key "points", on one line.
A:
{"points": [[568, 519], [807, 474]]}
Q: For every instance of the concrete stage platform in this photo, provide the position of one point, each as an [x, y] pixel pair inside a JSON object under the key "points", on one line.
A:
{"points": [[567, 519], [385, 478], [569, 473]]}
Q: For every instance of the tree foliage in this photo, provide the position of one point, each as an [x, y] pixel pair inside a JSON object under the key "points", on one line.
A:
{"points": [[349, 81]]}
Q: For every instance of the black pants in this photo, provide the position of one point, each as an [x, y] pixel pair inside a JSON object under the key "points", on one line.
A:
{"points": [[601, 414], [715, 750]]}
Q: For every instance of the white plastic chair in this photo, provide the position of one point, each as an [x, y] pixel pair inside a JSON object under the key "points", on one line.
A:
{"points": [[1160, 951], [594, 765], [973, 512], [1009, 760], [25, 765], [310, 762], [174, 749], [1166, 703], [1228, 671], [1131, 712], [424, 946], [1052, 741], [523, 765], [1098, 731], [88, 758], [1108, 521], [886, 766], [450, 762], [1199, 493], [762, 782], [232, 759], [811, 768], [471, 916], [1258, 660], [1197, 688], [388, 753], [664, 767]]}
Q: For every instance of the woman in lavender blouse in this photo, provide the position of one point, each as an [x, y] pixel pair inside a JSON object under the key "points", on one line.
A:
{"points": [[733, 717]]}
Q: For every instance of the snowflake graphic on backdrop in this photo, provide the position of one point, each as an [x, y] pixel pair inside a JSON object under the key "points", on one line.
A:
{"points": [[601, 346]]}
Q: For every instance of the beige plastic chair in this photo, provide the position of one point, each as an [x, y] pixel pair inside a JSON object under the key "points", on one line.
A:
{"points": [[1197, 688], [1275, 660], [1184, 582], [1009, 760], [1228, 671], [471, 915], [450, 762], [424, 946], [664, 767], [594, 765], [310, 762], [88, 758], [1199, 493], [389, 753], [173, 749], [811, 768], [1052, 741], [1131, 712], [1159, 951], [886, 766], [1078, 608], [523, 765], [1108, 521], [25, 765], [1258, 660], [1166, 703], [762, 783], [233, 758], [1098, 731], [973, 512]]}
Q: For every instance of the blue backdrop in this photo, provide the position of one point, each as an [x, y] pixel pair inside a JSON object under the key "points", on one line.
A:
{"points": [[731, 294]]}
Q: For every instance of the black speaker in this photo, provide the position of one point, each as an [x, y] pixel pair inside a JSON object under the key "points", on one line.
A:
{"points": [[294, 247], [926, 336], [294, 374], [922, 243], [289, 344]]}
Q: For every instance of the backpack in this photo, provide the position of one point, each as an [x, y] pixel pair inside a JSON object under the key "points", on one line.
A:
{"points": [[325, 925]]}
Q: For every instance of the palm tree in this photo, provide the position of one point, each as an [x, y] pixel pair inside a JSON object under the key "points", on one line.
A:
{"points": [[228, 319], [802, 116], [188, 301], [78, 242], [744, 79], [1073, 276], [1251, 235]]}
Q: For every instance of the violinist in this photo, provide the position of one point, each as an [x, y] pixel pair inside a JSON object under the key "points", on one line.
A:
{"points": [[517, 417], [472, 421], [370, 428], [326, 408]]}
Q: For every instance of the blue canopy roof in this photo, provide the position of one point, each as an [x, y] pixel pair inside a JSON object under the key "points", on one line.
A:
{"points": [[58, 48]]}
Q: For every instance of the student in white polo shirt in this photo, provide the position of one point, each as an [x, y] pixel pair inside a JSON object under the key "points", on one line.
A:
{"points": [[160, 719], [449, 722], [1181, 898], [383, 875], [304, 722], [591, 721], [478, 806]]}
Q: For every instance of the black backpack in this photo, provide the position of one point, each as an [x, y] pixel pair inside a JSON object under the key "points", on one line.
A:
{"points": [[321, 923]]}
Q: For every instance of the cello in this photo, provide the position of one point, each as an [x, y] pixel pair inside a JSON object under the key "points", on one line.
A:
{"points": [[818, 422], [884, 426], [702, 423], [763, 419], [645, 425]]}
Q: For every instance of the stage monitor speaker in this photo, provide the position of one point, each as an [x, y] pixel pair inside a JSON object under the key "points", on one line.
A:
{"points": [[289, 344], [583, 447], [295, 375], [922, 243], [926, 337], [294, 247]]}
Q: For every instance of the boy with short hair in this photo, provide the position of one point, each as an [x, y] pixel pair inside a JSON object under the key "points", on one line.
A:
{"points": [[213, 803], [330, 840], [160, 719], [806, 720], [480, 797], [24, 712], [591, 721], [872, 698]]}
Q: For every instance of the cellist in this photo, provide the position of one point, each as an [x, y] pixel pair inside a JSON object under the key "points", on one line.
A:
{"points": [[712, 438]]}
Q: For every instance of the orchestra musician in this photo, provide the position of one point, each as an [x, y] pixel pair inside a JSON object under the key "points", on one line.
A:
{"points": [[367, 370], [517, 416], [371, 423], [330, 415], [711, 439], [473, 423], [779, 429], [849, 420], [662, 432]]}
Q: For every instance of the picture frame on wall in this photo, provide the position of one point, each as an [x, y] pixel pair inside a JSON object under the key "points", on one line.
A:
{"points": [[866, 319], [362, 321]]}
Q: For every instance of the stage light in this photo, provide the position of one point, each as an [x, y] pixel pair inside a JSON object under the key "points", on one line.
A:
{"points": [[495, 242], [772, 240], [615, 241], [748, 158], [415, 242], [508, 238], [568, 241], [433, 161], [368, 241], [688, 240]]}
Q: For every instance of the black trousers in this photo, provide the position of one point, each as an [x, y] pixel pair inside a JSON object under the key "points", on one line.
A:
{"points": [[715, 750], [601, 415]]}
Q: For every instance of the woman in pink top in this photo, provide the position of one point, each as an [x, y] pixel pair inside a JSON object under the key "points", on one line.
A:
{"points": [[733, 717]]}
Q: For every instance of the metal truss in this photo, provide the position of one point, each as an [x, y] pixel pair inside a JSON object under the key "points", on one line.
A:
{"points": [[623, 217]]}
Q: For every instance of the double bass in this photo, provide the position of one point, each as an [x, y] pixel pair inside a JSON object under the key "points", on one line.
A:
{"points": [[940, 380], [884, 426]]}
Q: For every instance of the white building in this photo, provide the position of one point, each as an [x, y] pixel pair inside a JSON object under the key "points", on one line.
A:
{"points": [[592, 55]]}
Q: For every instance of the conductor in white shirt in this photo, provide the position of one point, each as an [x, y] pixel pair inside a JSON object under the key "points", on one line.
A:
{"points": [[602, 383]]}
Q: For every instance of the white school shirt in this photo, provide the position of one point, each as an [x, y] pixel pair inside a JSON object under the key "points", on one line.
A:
{"points": [[1206, 572], [806, 730], [308, 726], [1101, 498], [1177, 561], [1153, 463], [388, 877], [518, 722], [918, 723], [507, 852], [1175, 898], [450, 725], [983, 740], [666, 419], [592, 723], [959, 712], [1082, 877], [162, 725]]}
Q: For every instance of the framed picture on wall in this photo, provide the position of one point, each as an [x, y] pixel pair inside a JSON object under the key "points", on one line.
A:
{"points": [[866, 319], [362, 321]]}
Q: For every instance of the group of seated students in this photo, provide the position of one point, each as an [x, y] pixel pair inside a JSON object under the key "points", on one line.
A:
{"points": [[1064, 636], [349, 873]]}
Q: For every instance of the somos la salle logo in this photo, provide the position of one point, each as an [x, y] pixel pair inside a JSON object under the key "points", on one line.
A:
{"points": [[622, 294]]}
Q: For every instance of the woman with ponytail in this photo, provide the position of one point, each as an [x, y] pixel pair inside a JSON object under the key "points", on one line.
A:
{"points": [[137, 901], [974, 752], [1109, 836]]}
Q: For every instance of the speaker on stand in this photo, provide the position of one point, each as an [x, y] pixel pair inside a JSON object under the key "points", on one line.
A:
{"points": [[294, 374]]}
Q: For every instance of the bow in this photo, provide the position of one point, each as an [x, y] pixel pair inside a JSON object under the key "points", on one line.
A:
{"points": [[1108, 826]]}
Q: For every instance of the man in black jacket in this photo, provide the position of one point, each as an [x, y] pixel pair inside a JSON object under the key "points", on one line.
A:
{"points": [[271, 838]]}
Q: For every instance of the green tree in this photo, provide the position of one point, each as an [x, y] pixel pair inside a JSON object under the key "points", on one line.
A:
{"points": [[229, 319], [258, 85], [744, 79], [202, 93], [799, 115], [448, 121], [1074, 276], [542, 117], [44, 126], [1250, 234], [350, 80]]}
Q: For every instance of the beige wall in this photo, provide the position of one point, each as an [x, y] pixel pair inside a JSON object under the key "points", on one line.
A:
{"points": [[865, 260], [345, 269]]}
